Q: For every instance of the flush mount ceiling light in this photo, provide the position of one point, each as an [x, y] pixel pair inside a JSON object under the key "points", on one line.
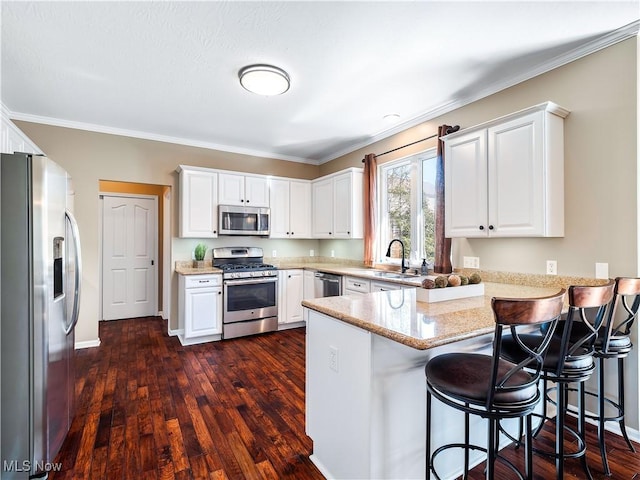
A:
{"points": [[264, 79], [391, 118]]}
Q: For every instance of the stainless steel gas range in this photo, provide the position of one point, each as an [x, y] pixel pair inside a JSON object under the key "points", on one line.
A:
{"points": [[250, 291]]}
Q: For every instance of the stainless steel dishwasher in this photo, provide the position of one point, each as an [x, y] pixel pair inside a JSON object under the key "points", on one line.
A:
{"points": [[327, 285]]}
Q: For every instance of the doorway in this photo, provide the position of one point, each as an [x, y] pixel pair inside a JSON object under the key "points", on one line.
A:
{"points": [[132, 249]]}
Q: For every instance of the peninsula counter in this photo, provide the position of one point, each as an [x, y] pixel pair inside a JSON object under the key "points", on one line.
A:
{"points": [[366, 393]]}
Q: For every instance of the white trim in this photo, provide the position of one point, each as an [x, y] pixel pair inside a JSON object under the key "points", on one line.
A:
{"points": [[167, 248], [609, 426], [87, 344], [92, 127], [176, 332], [605, 41]]}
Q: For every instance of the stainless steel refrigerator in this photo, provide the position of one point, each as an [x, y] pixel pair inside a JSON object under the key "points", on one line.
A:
{"points": [[40, 285]]}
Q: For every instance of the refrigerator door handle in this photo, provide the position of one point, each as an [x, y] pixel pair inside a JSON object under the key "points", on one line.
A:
{"points": [[78, 271]]}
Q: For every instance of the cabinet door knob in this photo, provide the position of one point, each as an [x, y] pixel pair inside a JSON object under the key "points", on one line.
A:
{"points": [[481, 227], [247, 201], [215, 231], [291, 233], [490, 227], [329, 233], [287, 233], [289, 276], [220, 293]]}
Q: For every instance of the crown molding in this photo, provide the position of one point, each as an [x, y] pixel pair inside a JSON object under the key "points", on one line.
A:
{"points": [[619, 35], [57, 122]]}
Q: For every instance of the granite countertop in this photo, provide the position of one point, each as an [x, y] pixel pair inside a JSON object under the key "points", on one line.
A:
{"points": [[355, 271], [397, 315], [186, 268]]}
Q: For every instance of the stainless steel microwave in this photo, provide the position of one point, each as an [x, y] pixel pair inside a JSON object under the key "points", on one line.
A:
{"points": [[236, 220]]}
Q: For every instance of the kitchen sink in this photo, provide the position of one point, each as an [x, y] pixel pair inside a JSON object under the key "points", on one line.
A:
{"points": [[394, 275]]}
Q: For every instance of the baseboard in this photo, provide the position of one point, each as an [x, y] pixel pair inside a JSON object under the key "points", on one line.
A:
{"points": [[173, 333], [612, 427], [87, 344], [287, 326]]}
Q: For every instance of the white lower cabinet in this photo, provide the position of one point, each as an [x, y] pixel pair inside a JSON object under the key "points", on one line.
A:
{"points": [[356, 286], [359, 286], [291, 290], [384, 286], [309, 289], [200, 308]]}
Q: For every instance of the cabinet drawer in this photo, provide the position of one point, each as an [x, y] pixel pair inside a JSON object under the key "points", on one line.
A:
{"points": [[384, 286], [357, 284], [195, 281]]}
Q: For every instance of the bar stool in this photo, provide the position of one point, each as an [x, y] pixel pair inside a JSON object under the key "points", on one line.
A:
{"points": [[491, 387], [569, 360], [614, 342]]}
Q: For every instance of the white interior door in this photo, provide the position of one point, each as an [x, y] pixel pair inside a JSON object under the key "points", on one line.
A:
{"points": [[128, 257]]}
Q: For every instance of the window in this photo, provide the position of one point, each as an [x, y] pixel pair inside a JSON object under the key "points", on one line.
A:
{"points": [[407, 208]]}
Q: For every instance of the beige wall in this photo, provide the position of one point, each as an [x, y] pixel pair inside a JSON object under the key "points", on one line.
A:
{"points": [[91, 157], [600, 90]]}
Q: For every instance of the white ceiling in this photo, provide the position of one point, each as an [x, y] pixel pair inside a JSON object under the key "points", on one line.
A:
{"points": [[168, 70]]}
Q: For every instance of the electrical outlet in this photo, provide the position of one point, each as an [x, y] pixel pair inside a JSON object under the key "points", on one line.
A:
{"points": [[333, 253], [552, 267], [274, 253], [333, 358], [471, 262], [602, 270], [311, 253]]}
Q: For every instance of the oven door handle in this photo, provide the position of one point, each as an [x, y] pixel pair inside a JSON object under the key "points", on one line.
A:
{"points": [[251, 280]]}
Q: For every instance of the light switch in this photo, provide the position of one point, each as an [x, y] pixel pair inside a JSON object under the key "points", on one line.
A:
{"points": [[602, 270]]}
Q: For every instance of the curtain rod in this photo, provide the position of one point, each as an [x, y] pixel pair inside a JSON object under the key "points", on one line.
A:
{"points": [[449, 130]]}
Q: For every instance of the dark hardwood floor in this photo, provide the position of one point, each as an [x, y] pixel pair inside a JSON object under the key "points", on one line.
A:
{"points": [[149, 408]]}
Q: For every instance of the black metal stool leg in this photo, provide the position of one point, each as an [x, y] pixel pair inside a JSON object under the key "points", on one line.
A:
{"points": [[491, 449], [528, 453], [582, 428], [428, 440], [623, 427], [602, 416], [560, 405], [466, 443]]}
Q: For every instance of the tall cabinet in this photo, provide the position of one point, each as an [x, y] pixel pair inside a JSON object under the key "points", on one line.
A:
{"points": [[337, 205], [198, 202], [505, 178]]}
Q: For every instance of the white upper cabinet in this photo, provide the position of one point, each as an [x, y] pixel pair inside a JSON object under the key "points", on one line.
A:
{"points": [[198, 198], [337, 205], [14, 140], [300, 209], [290, 202], [322, 203], [505, 178], [243, 190]]}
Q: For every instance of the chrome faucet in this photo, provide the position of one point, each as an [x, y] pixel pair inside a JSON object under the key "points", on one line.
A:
{"points": [[403, 268]]}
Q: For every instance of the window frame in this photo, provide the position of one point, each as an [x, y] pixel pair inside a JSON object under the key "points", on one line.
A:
{"points": [[415, 254]]}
